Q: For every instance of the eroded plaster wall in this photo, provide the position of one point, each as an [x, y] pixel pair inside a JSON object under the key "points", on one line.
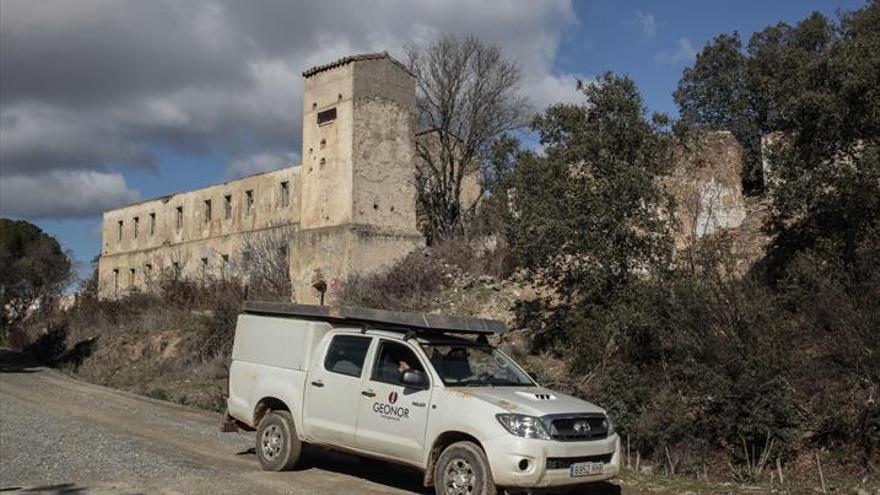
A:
{"points": [[384, 192], [706, 184], [151, 236]]}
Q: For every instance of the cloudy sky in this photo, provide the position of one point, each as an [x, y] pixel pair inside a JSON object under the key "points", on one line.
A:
{"points": [[105, 102]]}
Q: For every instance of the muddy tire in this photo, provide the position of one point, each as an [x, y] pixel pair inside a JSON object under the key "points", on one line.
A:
{"points": [[278, 447], [462, 469]]}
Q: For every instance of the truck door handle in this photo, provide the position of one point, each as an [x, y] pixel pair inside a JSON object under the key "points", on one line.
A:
{"points": [[318, 383], [368, 393]]}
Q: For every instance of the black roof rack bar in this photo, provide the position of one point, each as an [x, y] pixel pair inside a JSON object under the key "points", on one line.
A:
{"points": [[391, 319]]}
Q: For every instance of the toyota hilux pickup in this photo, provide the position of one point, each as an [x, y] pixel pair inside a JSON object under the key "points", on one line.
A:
{"points": [[424, 390]]}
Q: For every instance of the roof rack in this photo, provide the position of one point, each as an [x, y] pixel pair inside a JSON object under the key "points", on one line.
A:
{"points": [[379, 318]]}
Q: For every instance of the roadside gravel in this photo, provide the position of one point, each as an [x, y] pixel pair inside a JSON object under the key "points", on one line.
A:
{"points": [[60, 435]]}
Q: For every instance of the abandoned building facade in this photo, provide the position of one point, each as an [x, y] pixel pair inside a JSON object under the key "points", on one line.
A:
{"points": [[348, 207]]}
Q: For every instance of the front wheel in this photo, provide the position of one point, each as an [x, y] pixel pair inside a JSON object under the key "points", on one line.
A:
{"points": [[278, 447], [463, 469]]}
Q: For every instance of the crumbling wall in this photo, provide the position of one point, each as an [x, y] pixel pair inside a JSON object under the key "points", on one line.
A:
{"points": [[706, 184]]}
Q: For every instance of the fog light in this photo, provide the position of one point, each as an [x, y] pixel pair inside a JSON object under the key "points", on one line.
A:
{"points": [[523, 464]]}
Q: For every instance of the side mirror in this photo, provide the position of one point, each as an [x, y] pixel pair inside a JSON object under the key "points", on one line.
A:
{"points": [[414, 379]]}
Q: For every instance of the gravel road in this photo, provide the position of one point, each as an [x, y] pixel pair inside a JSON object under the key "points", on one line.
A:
{"points": [[60, 435]]}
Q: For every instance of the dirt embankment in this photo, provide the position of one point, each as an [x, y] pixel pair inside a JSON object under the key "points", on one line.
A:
{"points": [[163, 364]]}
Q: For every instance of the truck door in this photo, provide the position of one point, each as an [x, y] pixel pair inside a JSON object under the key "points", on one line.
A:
{"points": [[333, 391], [392, 417]]}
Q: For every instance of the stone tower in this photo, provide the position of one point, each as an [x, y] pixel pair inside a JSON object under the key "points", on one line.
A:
{"points": [[357, 197]]}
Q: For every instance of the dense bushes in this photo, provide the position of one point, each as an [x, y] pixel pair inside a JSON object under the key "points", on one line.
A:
{"points": [[706, 363]]}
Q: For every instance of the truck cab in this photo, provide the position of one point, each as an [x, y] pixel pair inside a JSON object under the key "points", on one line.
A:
{"points": [[423, 390]]}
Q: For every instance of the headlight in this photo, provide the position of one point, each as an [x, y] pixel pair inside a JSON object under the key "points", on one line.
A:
{"points": [[610, 424], [523, 426]]}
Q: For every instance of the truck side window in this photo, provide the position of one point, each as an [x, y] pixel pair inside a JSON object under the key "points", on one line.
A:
{"points": [[346, 354], [392, 360]]}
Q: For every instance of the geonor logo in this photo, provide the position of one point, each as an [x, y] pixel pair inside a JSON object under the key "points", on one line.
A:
{"points": [[392, 397]]}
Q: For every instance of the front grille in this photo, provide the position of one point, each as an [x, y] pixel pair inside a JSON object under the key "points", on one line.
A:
{"points": [[581, 427], [566, 462]]}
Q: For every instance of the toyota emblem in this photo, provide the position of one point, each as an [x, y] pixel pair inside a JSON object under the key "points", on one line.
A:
{"points": [[581, 426]]}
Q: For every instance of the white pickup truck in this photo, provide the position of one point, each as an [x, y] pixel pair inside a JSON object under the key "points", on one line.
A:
{"points": [[418, 389]]}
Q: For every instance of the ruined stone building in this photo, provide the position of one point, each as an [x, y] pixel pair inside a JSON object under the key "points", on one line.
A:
{"points": [[348, 207]]}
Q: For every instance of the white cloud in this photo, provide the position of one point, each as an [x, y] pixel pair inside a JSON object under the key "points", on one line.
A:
{"points": [[684, 53], [646, 22], [63, 194], [262, 162], [214, 77], [549, 89]]}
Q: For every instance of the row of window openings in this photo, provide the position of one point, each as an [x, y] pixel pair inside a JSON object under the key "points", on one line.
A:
{"points": [[175, 266], [227, 203]]}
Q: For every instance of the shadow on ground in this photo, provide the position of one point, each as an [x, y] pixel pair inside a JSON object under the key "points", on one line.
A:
{"points": [[58, 489], [16, 362], [402, 477]]}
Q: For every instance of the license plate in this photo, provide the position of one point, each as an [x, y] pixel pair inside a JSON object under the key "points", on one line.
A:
{"points": [[586, 468]]}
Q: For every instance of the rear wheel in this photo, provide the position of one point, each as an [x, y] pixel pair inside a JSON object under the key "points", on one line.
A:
{"points": [[278, 447], [462, 469]]}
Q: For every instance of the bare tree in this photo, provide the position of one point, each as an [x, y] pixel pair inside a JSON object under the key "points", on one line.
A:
{"points": [[265, 264], [466, 99]]}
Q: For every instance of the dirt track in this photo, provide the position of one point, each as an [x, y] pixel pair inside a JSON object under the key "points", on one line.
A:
{"points": [[60, 435]]}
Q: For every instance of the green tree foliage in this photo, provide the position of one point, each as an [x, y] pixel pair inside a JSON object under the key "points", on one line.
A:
{"points": [[701, 358], [34, 268], [826, 186], [586, 211], [751, 93], [817, 84]]}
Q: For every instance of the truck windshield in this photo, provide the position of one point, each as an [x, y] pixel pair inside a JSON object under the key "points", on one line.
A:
{"points": [[463, 365]]}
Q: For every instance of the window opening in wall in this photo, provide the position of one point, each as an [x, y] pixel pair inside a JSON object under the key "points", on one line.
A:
{"points": [[227, 206], [207, 210], [179, 217], [249, 200], [323, 161], [285, 194], [131, 277], [148, 268], [175, 267], [224, 268], [327, 116], [323, 143], [204, 268], [152, 223], [119, 231], [115, 279], [137, 223]]}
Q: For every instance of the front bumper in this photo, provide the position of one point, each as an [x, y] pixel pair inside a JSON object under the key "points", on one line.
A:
{"points": [[506, 454]]}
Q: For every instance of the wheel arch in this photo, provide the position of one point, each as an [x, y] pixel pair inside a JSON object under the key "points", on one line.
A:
{"points": [[442, 441], [267, 404]]}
